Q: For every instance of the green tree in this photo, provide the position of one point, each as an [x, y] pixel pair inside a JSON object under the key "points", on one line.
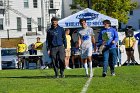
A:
{"points": [[118, 9]]}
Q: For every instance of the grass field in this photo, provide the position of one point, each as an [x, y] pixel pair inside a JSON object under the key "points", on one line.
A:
{"points": [[127, 80]]}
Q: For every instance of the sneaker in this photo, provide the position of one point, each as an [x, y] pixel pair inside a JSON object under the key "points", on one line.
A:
{"points": [[62, 76], [56, 76], [46, 67], [42, 67], [120, 65], [113, 74], [104, 74], [68, 68]]}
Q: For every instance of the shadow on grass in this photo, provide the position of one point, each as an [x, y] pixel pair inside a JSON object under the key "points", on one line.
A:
{"points": [[41, 77]]}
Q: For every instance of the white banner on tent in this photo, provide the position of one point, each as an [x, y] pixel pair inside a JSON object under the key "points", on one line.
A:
{"points": [[93, 19]]}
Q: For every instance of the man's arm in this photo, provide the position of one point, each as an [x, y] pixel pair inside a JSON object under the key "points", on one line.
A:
{"points": [[100, 38], [93, 39], [123, 41], [79, 41], [134, 40], [64, 38], [93, 42], [116, 38]]}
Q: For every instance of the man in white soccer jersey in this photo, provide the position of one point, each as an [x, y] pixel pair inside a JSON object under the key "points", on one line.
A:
{"points": [[86, 40]]}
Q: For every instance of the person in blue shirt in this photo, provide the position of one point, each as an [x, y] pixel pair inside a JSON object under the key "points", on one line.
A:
{"points": [[108, 37], [137, 36], [56, 44]]}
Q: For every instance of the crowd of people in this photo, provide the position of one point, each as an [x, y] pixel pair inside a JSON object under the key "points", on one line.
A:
{"points": [[58, 44]]}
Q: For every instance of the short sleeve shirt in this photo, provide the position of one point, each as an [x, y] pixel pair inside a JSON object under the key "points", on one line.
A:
{"points": [[21, 47], [129, 41], [86, 35], [39, 45], [68, 38]]}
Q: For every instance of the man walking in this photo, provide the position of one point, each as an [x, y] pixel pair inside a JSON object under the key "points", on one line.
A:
{"points": [[108, 37], [85, 41], [56, 43]]}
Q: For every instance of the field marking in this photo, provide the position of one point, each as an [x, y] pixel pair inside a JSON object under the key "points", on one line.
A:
{"points": [[84, 90]]}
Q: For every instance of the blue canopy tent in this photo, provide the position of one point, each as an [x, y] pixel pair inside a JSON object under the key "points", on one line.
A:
{"points": [[94, 19]]}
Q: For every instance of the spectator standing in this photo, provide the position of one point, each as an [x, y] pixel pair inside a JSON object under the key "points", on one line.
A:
{"points": [[137, 37], [68, 49], [85, 41], [108, 37], [129, 47], [21, 49], [56, 43]]}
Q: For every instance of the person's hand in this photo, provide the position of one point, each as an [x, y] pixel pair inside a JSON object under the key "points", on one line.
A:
{"points": [[113, 42], [103, 43], [49, 52], [95, 50], [133, 47]]}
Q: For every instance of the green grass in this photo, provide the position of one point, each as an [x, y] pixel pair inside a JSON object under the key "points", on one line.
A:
{"points": [[127, 80]]}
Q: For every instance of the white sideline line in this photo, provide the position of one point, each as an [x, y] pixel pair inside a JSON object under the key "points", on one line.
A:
{"points": [[84, 90]]}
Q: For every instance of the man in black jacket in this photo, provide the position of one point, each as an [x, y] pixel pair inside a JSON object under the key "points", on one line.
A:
{"points": [[56, 44]]}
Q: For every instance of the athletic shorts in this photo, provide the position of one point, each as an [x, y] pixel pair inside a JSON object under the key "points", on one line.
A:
{"points": [[85, 53], [68, 52], [129, 49]]}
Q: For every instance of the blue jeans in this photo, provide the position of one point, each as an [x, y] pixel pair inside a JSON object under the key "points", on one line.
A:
{"points": [[109, 57]]}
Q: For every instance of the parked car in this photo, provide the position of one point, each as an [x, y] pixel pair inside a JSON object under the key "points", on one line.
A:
{"points": [[9, 58]]}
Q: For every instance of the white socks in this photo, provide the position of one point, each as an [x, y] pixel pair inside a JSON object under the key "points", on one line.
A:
{"points": [[86, 69], [90, 66]]}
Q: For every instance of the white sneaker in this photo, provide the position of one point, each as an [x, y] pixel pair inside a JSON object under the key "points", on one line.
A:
{"points": [[46, 67], [68, 68], [120, 65], [113, 74], [42, 67]]}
